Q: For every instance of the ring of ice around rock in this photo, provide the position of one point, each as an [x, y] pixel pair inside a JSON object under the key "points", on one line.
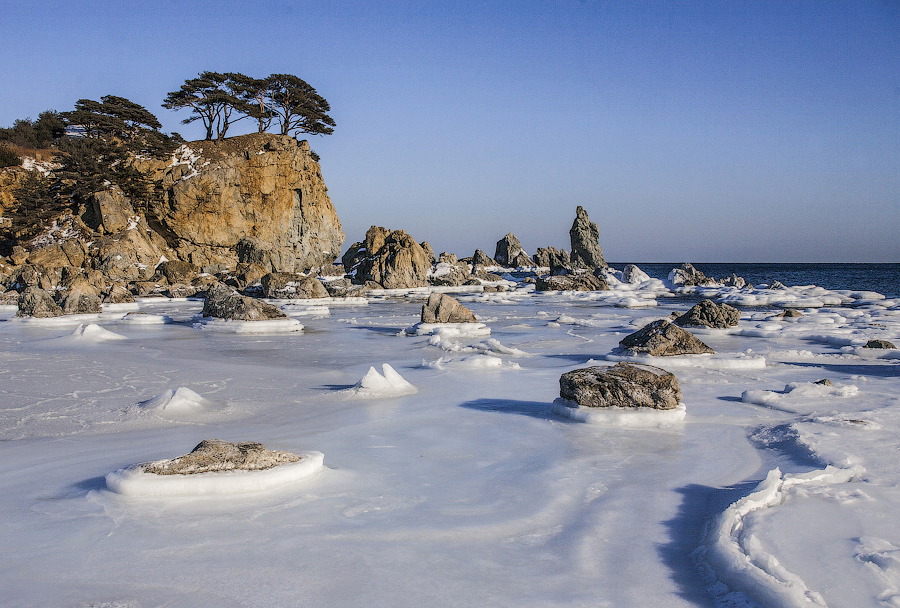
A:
{"points": [[619, 416], [701, 361], [270, 326], [450, 330], [133, 481]]}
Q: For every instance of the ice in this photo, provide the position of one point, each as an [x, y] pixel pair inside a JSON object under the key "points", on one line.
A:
{"points": [[91, 333], [480, 489], [135, 483], [619, 416], [377, 386], [271, 326]]}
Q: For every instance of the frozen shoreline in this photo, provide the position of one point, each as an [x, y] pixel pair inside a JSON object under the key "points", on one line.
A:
{"points": [[475, 463]]}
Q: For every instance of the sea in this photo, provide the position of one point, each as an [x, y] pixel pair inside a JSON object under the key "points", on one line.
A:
{"points": [[882, 278]]}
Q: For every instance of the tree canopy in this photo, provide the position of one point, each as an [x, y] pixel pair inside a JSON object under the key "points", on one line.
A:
{"points": [[219, 100]]}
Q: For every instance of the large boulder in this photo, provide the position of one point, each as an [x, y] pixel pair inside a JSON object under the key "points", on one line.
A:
{"points": [[35, 302], [622, 385], [508, 251], [441, 308], [70, 252], [585, 238], [557, 260], [223, 302], [582, 281], [259, 186], [708, 314], [448, 274], [390, 259], [178, 271], [216, 455], [109, 211], [131, 254], [663, 339]]}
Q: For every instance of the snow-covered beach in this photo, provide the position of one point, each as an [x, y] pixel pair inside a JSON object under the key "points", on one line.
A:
{"points": [[471, 490]]}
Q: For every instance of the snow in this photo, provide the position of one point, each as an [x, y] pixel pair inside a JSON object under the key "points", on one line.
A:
{"points": [[763, 489]]}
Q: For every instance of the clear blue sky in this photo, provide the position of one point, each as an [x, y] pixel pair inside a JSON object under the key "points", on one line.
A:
{"points": [[690, 131]]}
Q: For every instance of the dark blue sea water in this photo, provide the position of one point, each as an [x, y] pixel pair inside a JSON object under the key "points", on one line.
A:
{"points": [[883, 278]]}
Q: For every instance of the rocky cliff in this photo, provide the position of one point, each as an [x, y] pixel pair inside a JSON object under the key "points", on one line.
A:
{"points": [[254, 198]]}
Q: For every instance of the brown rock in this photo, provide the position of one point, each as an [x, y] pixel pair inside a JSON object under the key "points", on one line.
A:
{"points": [[622, 385], [441, 308], [583, 281], [261, 186], [508, 250], [35, 302], [216, 455], [177, 271]]}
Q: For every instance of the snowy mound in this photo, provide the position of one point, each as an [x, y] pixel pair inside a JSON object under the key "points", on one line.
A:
{"points": [[449, 330], [374, 385], [271, 326], [61, 321], [134, 481], [619, 416], [92, 333], [180, 401]]}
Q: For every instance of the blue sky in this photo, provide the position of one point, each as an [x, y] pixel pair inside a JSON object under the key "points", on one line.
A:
{"points": [[690, 131]]}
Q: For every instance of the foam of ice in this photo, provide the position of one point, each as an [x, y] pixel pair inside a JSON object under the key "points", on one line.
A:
{"points": [[377, 386], [449, 330], [717, 361], [134, 482], [619, 416]]}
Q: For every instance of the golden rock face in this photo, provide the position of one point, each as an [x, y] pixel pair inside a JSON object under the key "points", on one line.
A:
{"points": [[263, 187]]}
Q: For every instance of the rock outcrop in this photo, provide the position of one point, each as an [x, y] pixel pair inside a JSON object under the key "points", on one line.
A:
{"points": [[291, 286], [663, 339], [212, 455], [441, 308], [585, 238], [222, 302], [622, 385], [633, 275], [263, 187], [390, 259], [557, 260], [709, 314], [480, 258], [509, 252]]}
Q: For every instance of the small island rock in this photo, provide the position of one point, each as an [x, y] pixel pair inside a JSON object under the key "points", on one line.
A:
{"points": [[622, 385]]}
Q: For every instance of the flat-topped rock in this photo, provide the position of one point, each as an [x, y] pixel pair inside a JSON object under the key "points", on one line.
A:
{"points": [[630, 385], [879, 344], [663, 339], [212, 455]]}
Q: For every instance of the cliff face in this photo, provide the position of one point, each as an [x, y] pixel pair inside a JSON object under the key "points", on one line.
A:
{"points": [[264, 191]]}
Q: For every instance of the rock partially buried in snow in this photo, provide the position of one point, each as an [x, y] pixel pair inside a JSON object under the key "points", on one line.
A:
{"points": [[709, 314], [441, 308], [217, 455], [625, 385], [664, 339], [216, 467], [180, 401], [879, 344]]}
